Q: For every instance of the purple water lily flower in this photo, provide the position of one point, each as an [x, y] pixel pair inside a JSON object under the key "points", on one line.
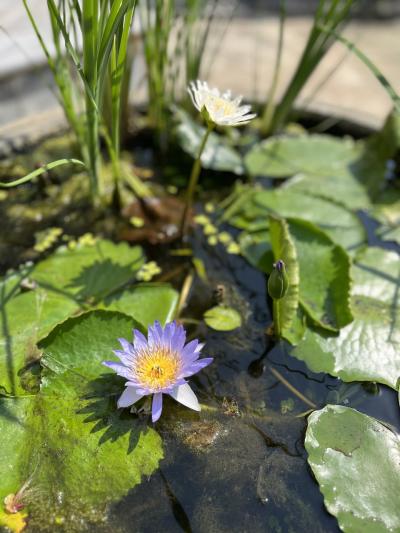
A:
{"points": [[159, 365]]}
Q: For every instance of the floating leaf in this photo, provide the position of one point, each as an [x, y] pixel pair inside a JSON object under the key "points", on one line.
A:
{"points": [[79, 449], [339, 223], [368, 348], [356, 461], [283, 248], [222, 318], [24, 319], [144, 302], [217, 155], [89, 271], [324, 276], [341, 170]]}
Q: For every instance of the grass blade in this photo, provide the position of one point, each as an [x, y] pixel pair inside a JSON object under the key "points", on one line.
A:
{"points": [[40, 171]]}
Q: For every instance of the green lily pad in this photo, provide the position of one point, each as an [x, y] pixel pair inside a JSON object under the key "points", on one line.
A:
{"points": [[324, 276], [89, 272], [341, 170], [222, 318], [356, 461], [24, 319], [283, 248], [368, 348], [343, 226], [217, 155], [390, 234], [144, 302], [324, 286], [79, 450]]}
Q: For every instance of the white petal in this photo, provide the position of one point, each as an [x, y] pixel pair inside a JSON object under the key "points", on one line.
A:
{"points": [[128, 397], [184, 395]]}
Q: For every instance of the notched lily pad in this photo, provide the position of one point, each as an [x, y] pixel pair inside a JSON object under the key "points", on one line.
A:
{"points": [[356, 461], [89, 272]]}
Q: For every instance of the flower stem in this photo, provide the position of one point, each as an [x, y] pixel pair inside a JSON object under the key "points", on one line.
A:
{"points": [[277, 318], [194, 177]]}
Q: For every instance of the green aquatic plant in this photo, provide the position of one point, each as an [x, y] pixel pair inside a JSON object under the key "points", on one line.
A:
{"points": [[91, 51], [278, 285], [217, 109]]}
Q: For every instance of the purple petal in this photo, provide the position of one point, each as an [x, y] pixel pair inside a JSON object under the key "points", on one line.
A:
{"points": [[178, 339], [121, 370], [155, 334], [169, 332], [193, 368], [139, 340], [126, 346], [156, 407], [191, 349], [184, 395], [129, 397], [126, 358]]}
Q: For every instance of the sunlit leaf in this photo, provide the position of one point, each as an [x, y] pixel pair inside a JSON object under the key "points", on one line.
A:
{"points": [[356, 461], [222, 318], [368, 348]]}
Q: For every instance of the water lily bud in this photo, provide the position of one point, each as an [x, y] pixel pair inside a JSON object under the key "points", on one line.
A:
{"points": [[278, 282]]}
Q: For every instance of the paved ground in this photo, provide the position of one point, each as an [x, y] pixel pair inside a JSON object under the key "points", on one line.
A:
{"points": [[243, 62]]}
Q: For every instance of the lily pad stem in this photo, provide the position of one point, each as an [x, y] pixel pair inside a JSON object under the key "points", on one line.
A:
{"points": [[194, 177], [277, 318]]}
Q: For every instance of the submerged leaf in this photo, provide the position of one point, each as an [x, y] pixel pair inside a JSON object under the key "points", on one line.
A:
{"points": [[356, 461]]}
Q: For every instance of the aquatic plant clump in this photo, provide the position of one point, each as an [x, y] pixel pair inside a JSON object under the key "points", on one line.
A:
{"points": [[159, 365]]}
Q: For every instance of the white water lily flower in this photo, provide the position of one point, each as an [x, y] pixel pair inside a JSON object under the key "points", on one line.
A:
{"points": [[220, 109]]}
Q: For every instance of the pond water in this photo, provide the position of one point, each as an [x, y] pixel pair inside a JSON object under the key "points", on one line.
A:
{"points": [[241, 465], [248, 472]]}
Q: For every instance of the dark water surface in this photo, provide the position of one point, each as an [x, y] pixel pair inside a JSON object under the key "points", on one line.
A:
{"points": [[246, 473]]}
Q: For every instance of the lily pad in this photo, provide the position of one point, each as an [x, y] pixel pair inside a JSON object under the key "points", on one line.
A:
{"points": [[343, 226], [338, 169], [145, 303], [324, 286], [89, 272], [79, 451], [24, 319], [217, 155], [356, 461], [324, 276], [368, 349], [222, 318]]}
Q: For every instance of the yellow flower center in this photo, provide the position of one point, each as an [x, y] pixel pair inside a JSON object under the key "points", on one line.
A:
{"points": [[216, 104], [158, 367]]}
